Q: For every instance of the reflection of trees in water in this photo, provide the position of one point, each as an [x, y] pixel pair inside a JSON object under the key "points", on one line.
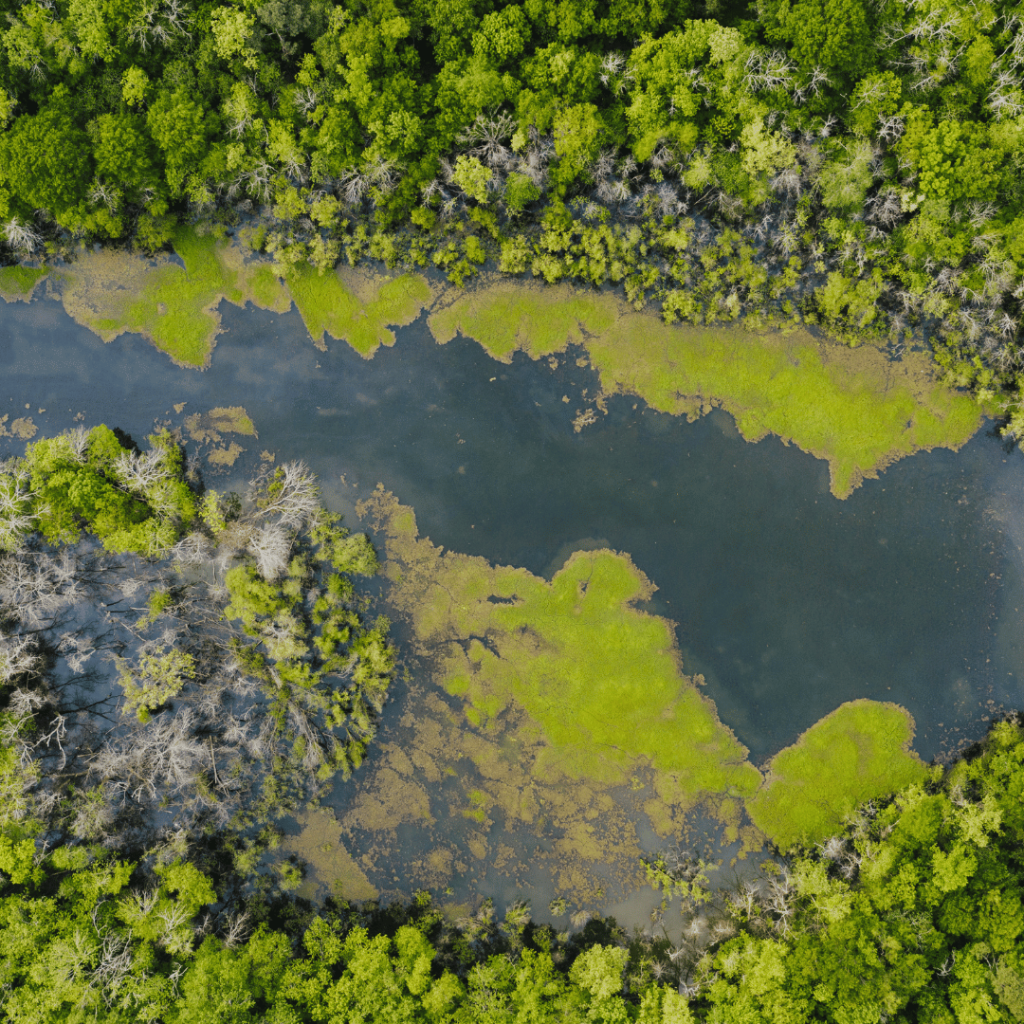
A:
{"points": [[231, 677]]}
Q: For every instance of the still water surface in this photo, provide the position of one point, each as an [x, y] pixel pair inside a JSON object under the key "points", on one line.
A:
{"points": [[787, 600]]}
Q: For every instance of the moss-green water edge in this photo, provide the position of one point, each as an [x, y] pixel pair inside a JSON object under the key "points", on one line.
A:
{"points": [[600, 686], [851, 406], [174, 305], [18, 282], [859, 752]]}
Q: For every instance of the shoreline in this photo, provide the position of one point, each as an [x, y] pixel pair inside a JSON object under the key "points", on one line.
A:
{"points": [[854, 407]]}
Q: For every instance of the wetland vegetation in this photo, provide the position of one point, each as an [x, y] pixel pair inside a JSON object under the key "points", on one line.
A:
{"points": [[857, 408], [855, 165], [166, 651], [921, 897], [805, 213]]}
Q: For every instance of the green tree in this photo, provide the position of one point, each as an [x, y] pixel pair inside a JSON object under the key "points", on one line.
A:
{"points": [[837, 35], [46, 160]]}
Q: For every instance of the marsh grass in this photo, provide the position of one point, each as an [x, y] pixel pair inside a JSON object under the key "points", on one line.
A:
{"points": [[598, 695], [853, 407], [359, 309], [175, 305], [17, 283], [859, 752], [599, 679]]}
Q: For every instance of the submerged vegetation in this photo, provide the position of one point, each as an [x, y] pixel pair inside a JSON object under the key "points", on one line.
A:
{"points": [[587, 690]]}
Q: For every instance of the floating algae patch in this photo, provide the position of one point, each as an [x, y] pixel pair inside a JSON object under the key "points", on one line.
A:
{"points": [[23, 427], [174, 304], [554, 709], [225, 455], [208, 429], [853, 407], [320, 845], [860, 752], [17, 283], [209, 426], [357, 307]]}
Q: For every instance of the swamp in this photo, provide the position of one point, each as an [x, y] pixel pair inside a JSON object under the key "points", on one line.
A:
{"points": [[655, 591]]}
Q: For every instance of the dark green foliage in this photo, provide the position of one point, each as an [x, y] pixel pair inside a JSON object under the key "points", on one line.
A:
{"points": [[90, 481]]}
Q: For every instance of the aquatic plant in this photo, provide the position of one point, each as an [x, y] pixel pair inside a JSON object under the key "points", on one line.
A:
{"points": [[859, 752], [599, 678], [853, 407]]}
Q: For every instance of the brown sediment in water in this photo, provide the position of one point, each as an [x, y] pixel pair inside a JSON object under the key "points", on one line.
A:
{"points": [[321, 846], [558, 709]]}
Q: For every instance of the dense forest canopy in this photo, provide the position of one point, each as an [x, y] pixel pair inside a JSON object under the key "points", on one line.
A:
{"points": [[838, 161]]}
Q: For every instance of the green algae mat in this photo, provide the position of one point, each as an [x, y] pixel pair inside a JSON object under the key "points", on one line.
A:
{"points": [[853, 407], [174, 304], [562, 707], [858, 752]]}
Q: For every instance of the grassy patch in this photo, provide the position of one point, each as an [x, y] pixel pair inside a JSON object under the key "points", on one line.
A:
{"points": [[531, 319], [17, 283], [849, 406], [861, 751], [599, 679], [175, 306], [548, 697], [357, 309]]}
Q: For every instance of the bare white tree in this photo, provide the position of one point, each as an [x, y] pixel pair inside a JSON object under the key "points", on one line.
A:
{"points": [[19, 656], [291, 494], [271, 546]]}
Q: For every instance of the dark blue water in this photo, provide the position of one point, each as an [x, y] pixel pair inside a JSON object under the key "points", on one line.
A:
{"points": [[787, 600]]}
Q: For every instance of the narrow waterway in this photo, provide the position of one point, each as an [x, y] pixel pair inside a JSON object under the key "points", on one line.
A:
{"points": [[788, 601]]}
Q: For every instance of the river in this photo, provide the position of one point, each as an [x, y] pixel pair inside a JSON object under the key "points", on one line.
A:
{"points": [[787, 600]]}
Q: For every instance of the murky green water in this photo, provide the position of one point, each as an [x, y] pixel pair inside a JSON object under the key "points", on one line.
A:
{"points": [[787, 600]]}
